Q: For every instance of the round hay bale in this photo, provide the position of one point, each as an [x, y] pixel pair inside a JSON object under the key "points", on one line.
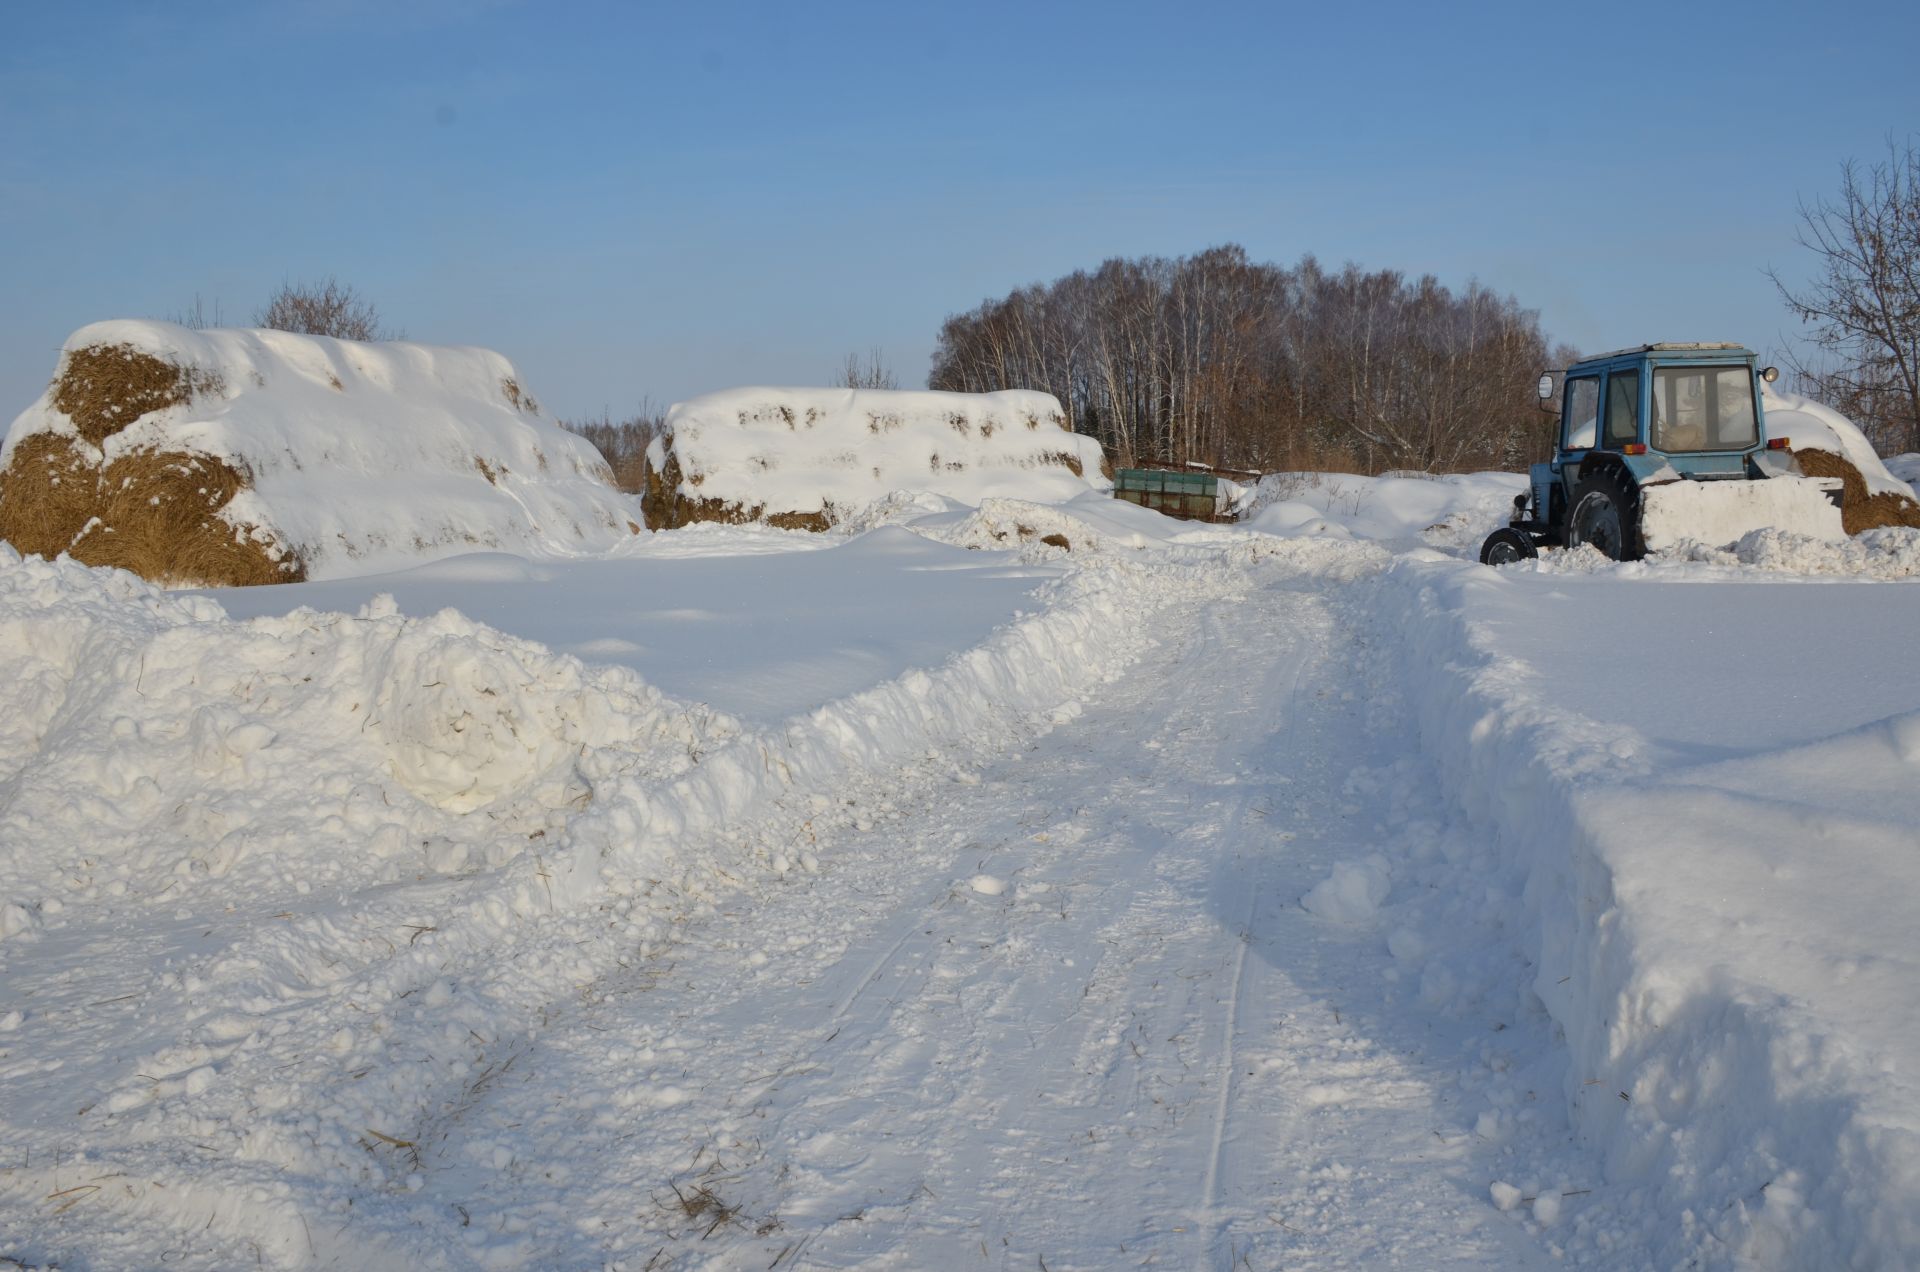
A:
{"points": [[1860, 508]]}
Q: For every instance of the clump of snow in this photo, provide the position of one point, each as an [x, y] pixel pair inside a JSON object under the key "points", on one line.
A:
{"points": [[816, 456], [365, 457], [1351, 893], [1812, 426]]}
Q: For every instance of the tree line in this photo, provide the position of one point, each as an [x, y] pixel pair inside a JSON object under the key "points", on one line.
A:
{"points": [[1218, 359]]}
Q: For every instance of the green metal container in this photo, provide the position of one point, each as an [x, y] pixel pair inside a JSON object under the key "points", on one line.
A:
{"points": [[1188, 495]]}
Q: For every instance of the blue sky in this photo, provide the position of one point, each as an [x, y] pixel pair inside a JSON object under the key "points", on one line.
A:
{"points": [[650, 201]]}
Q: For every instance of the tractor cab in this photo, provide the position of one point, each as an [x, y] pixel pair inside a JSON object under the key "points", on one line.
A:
{"points": [[1634, 421]]}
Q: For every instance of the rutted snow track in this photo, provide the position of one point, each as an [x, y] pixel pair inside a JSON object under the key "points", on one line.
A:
{"points": [[1065, 1012]]}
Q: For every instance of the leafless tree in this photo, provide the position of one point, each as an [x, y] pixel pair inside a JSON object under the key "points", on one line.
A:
{"points": [[1223, 360], [623, 443], [873, 374], [197, 317], [325, 308], [1864, 304]]}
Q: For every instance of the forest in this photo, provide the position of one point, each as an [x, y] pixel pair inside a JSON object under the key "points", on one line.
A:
{"points": [[1217, 359]]}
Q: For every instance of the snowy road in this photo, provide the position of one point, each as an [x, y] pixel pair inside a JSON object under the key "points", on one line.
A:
{"points": [[1063, 1010]]}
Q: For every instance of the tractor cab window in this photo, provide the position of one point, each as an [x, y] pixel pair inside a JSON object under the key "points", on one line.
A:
{"points": [[1703, 409], [1623, 408], [1582, 413]]}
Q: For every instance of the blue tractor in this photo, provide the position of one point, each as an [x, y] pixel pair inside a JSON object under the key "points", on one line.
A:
{"points": [[1659, 444]]}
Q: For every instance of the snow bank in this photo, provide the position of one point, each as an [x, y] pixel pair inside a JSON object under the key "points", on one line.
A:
{"points": [[807, 458], [1726, 948], [1892, 552], [356, 457]]}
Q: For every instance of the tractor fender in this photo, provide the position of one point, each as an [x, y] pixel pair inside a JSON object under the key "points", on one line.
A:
{"points": [[1608, 464]]}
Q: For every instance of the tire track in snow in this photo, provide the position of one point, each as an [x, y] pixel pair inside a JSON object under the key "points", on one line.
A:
{"points": [[1088, 1069]]}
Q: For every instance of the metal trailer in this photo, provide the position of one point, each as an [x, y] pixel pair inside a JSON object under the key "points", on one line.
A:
{"points": [[1191, 496]]}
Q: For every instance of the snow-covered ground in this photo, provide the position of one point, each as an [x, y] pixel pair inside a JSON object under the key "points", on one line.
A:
{"points": [[936, 895]]}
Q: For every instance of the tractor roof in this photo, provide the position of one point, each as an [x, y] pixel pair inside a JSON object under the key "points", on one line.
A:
{"points": [[1683, 349]]}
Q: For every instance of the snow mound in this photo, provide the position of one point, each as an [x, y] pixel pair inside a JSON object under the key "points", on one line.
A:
{"points": [[319, 748], [351, 458], [1892, 552], [1099, 527], [1451, 512], [809, 458]]}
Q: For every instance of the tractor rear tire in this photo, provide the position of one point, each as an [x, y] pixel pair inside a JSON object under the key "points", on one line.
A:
{"points": [[1605, 514], [1507, 545]]}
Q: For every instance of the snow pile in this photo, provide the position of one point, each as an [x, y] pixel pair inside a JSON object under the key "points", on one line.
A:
{"points": [[1452, 512], [352, 457], [1725, 947], [1906, 468], [807, 458], [1101, 527], [328, 749], [1091, 523], [1891, 552]]}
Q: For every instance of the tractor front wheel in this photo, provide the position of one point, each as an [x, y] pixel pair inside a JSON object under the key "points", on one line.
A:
{"points": [[1604, 513], [1507, 545]]}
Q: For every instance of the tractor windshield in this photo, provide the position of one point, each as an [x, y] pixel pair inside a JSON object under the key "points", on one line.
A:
{"points": [[1703, 409]]}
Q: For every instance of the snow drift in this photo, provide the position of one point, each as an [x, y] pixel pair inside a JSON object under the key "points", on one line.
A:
{"points": [[281, 456], [807, 458]]}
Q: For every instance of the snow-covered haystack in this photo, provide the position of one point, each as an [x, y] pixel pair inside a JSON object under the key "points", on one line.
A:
{"points": [[806, 458], [1828, 444], [237, 457]]}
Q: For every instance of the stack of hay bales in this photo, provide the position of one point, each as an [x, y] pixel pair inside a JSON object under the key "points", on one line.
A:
{"points": [[239, 457], [805, 458], [1827, 444]]}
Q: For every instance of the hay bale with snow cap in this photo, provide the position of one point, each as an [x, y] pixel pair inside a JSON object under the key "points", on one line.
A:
{"points": [[237, 457], [1826, 443], [806, 458]]}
